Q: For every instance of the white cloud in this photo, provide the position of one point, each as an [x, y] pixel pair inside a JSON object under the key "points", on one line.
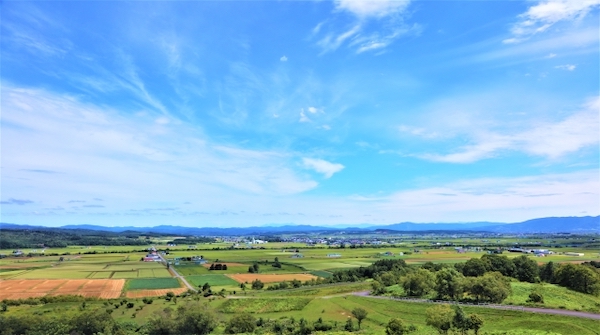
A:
{"points": [[314, 110], [322, 166], [547, 139], [372, 8], [283, 59], [101, 153], [541, 16], [303, 117], [331, 42], [502, 199], [568, 67]]}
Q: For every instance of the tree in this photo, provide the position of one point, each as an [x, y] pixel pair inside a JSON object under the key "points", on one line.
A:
{"points": [[241, 323], [349, 326], [195, 320], [418, 283], [460, 320], [449, 284], [548, 272], [501, 264], [395, 327], [205, 287], [257, 284], [360, 314], [475, 323], [440, 317], [475, 267], [536, 297], [527, 269], [491, 287]]}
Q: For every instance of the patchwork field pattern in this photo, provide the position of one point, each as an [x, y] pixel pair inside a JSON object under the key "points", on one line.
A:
{"points": [[35, 288], [270, 278]]}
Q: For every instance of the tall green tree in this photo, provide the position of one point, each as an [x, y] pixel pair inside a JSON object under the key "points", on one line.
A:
{"points": [[360, 314], [548, 272], [395, 327], [501, 264], [418, 283], [527, 269], [449, 284], [475, 267], [440, 317]]}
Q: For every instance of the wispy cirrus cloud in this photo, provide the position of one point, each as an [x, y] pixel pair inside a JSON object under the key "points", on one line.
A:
{"points": [[540, 17], [376, 25], [20, 202], [549, 139]]}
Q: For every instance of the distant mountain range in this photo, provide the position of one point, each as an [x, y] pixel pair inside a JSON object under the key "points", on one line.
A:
{"points": [[586, 224]]}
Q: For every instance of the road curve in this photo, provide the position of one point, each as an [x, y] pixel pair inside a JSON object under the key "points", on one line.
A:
{"points": [[511, 307]]}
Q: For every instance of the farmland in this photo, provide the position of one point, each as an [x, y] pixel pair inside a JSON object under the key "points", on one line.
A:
{"points": [[270, 278], [117, 276], [35, 288]]}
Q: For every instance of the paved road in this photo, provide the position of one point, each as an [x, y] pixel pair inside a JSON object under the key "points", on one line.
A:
{"points": [[511, 307], [177, 275]]}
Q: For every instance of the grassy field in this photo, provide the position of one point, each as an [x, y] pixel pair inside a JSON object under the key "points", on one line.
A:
{"points": [[554, 297], [264, 305], [152, 284], [212, 280]]}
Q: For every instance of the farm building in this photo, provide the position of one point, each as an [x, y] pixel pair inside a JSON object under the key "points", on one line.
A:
{"points": [[297, 256], [574, 254], [334, 255]]}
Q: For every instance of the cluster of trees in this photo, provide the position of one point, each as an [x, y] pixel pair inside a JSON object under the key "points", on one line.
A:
{"points": [[583, 278], [449, 284], [254, 268], [284, 285], [60, 238], [445, 318], [218, 266], [485, 279]]}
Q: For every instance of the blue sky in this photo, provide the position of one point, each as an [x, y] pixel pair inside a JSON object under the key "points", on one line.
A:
{"points": [[238, 113]]}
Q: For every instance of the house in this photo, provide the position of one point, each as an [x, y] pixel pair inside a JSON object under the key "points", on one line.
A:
{"points": [[17, 252]]}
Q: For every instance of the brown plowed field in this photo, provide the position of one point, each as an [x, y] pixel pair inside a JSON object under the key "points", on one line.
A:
{"points": [[35, 288], [154, 293], [266, 278]]}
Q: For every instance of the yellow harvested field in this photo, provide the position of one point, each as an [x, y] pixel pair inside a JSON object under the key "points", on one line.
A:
{"points": [[35, 288], [268, 278]]}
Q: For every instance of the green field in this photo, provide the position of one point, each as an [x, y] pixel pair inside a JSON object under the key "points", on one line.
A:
{"points": [[212, 280], [152, 284], [554, 297], [264, 305]]}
